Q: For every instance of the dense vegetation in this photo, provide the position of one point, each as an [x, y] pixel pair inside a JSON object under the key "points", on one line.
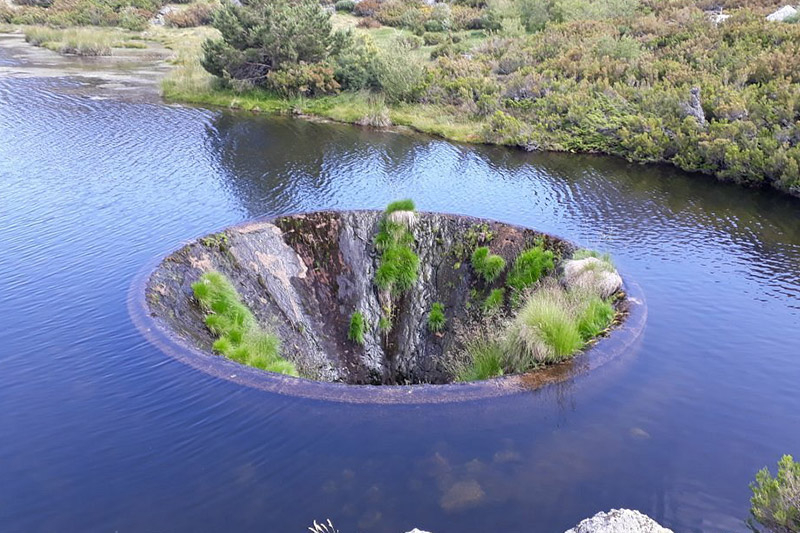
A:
{"points": [[776, 500], [239, 336], [549, 321], [648, 80]]}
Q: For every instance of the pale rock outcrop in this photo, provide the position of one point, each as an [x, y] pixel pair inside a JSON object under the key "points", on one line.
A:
{"points": [[592, 274], [619, 521], [782, 14]]}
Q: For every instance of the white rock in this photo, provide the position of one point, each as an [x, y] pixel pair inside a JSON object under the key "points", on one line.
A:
{"points": [[415, 530], [619, 521], [782, 14], [592, 274], [717, 18]]}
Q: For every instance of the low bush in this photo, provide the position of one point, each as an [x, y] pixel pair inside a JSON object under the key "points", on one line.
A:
{"points": [[198, 14], [302, 79], [263, 36], [436, 318], [775, 503], [239, 336], [357, 328], [345, 5], [399, 72], [488, 265], [368, 23]]}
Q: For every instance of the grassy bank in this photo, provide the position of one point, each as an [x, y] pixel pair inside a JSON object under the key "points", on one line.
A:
{"points": [[84, 41]]}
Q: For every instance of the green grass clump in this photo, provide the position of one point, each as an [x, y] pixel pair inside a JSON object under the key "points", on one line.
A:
{"points": [[239, 336], [544, 331], [776, 501], [357, 328], [594, 316], [583, 253], [488, 265], [400, 205], [494, 301], [529, 267], [398, 269], [554, 324], [486, 361], [436, 318], [399, 264]]}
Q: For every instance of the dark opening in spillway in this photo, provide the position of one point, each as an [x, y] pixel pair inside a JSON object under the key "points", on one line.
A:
{"points": [[310, 279]]}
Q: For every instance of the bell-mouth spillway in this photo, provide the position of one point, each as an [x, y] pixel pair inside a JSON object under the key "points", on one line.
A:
{"points": [[303, 276]]}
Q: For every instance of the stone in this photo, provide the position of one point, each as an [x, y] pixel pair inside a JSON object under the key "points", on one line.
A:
{"points": [[592, 274], [619, 521], [694, 107], [782, 14], [415, 530], [461, 495]]}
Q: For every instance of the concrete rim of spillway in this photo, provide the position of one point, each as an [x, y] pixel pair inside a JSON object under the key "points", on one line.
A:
{"points": [[621, 340]]}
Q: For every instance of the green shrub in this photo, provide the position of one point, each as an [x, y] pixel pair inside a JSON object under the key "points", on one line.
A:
{"points": [[345, 5], [486, 360], [399, 72], [436, 318], [529, 266], [489, 266], [776, 501], [357, 328], [240, 336], [494, 301], [263, 35], [303, 79], [198, 14], [356, 64]]}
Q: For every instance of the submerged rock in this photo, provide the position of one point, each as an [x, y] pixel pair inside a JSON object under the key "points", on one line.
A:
{"points": [[619, 521]]}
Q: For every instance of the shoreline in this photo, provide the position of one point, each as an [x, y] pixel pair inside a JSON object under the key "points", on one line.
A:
{"points": [[180, 79]]}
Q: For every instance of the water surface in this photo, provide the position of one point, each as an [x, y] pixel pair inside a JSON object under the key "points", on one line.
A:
{"points": [[103, 432]]}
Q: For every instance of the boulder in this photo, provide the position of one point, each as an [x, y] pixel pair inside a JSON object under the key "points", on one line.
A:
{"points": [[592, 274], [782, 14], [619, 521]]}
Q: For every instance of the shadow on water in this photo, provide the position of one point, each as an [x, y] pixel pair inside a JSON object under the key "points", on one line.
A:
{"points": [[102, 432]]}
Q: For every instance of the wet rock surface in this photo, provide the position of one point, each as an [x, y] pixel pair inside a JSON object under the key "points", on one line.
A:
{"points": [[304, 276]]}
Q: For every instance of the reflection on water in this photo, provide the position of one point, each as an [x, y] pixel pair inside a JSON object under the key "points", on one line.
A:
{"points": [[102, 432]]}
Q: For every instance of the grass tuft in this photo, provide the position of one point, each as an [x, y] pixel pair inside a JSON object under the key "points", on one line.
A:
{"points": [[399, 264], [494, 301], [594, 317], [400, 205], [487, 359], [240, 337], [357, 328], [436, 318], [529, 267], [488, 265]]}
